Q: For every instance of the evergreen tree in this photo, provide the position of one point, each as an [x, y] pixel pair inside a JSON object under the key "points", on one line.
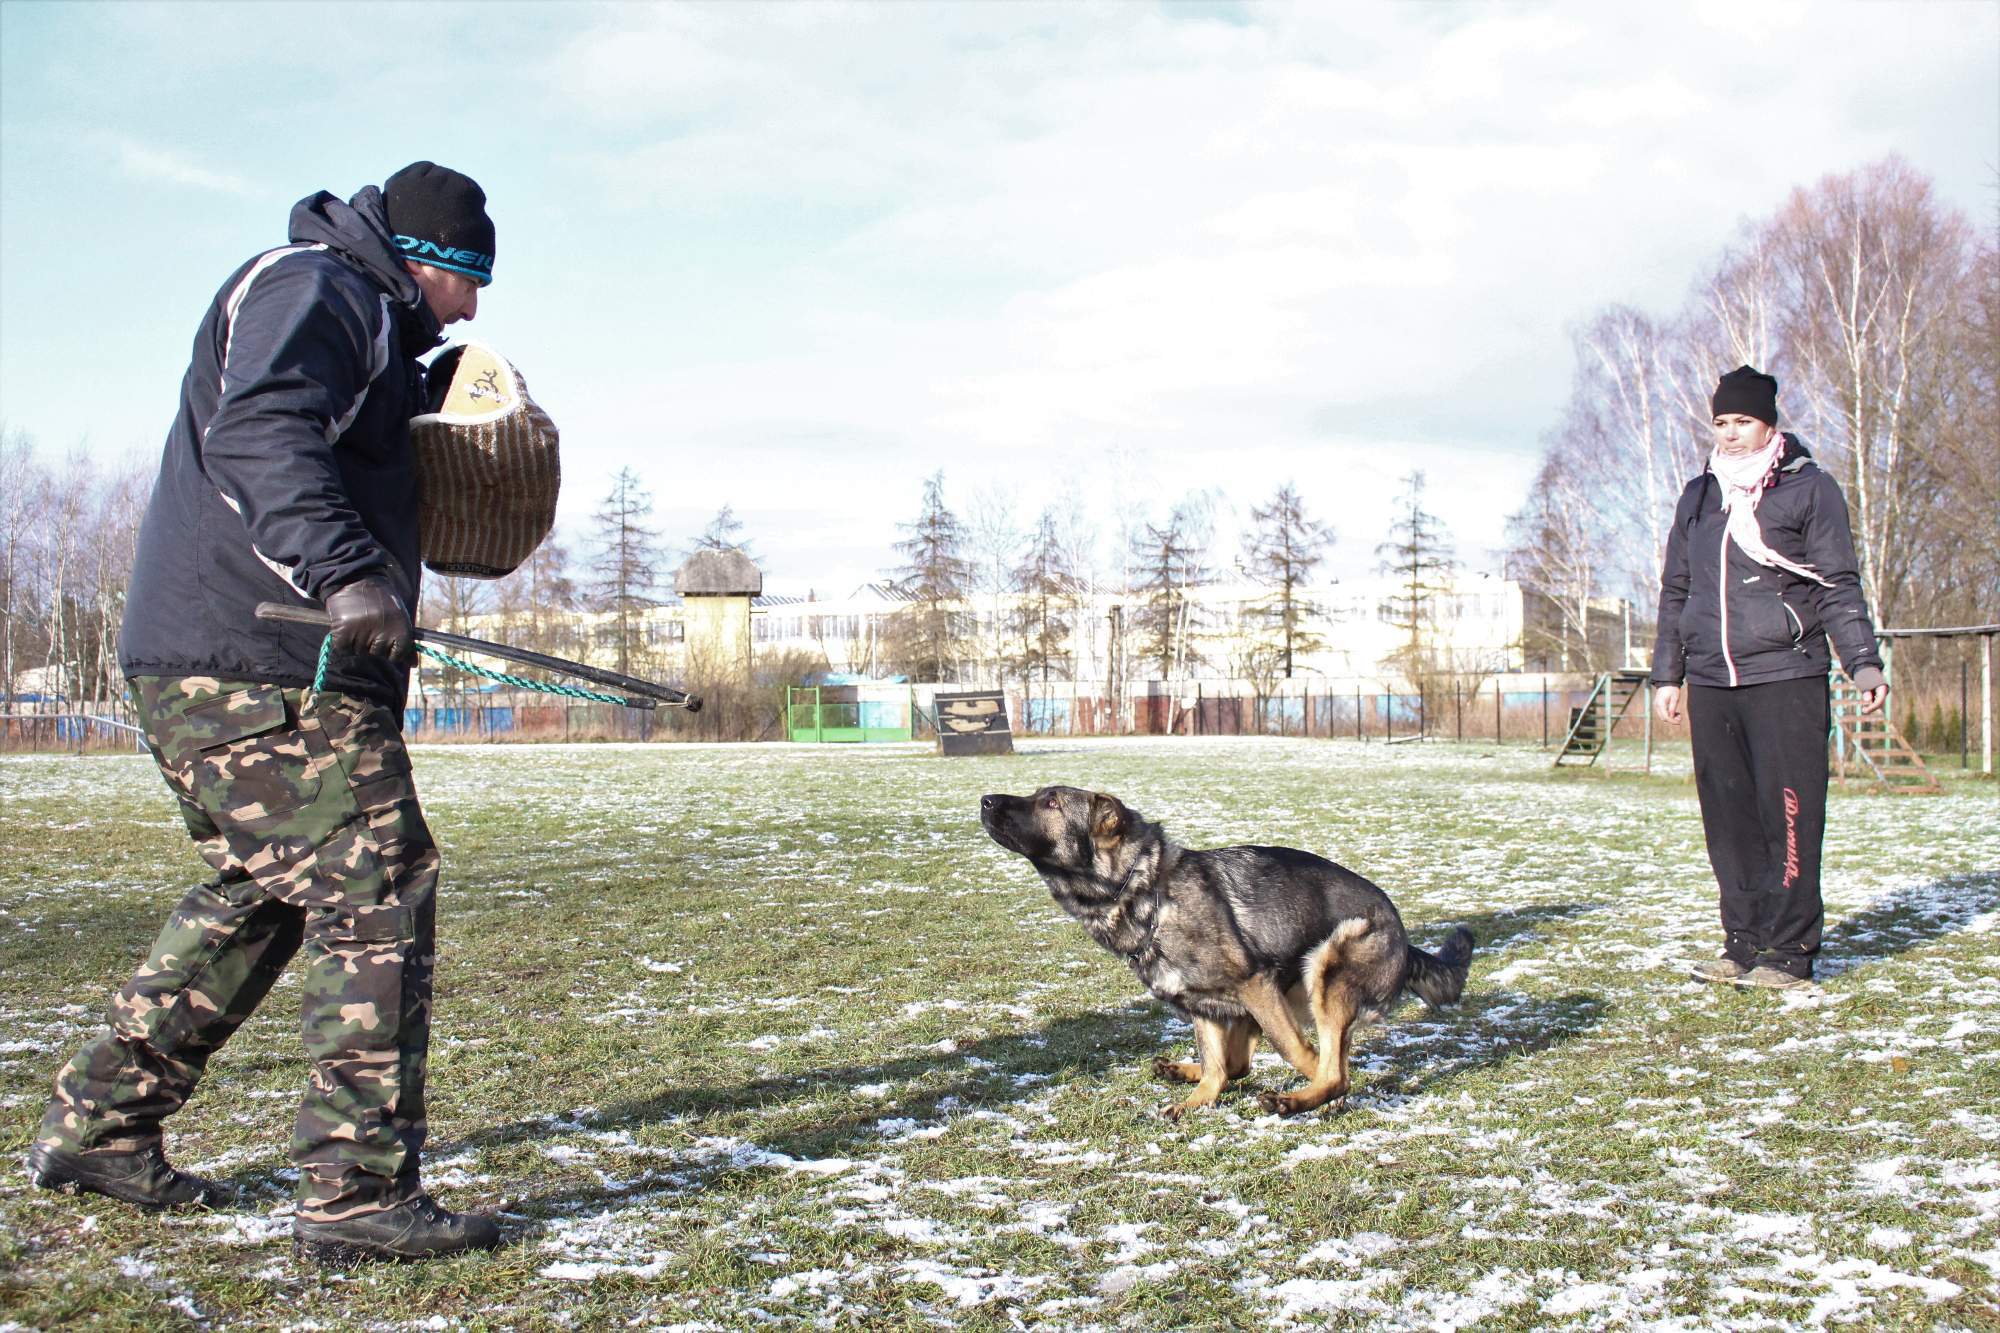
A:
{"points": [[625, 566], [927, 637], [1045, 617], [1418, 556], [723, 533], [1168, 561], [1281, 551]]}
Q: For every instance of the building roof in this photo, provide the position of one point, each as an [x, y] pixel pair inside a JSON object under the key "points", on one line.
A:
{"points": [[725, 573]]}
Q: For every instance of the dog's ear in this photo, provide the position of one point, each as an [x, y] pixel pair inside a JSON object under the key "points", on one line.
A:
{"points": [[1109, 819]]}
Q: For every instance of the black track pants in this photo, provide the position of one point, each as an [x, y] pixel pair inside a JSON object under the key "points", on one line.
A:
{"points": [[1760, 769]]}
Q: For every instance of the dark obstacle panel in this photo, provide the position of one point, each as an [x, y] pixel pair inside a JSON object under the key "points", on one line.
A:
{"points": [[973, 722]]}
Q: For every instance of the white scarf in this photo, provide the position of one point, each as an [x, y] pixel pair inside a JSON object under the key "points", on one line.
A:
{"points": [[1743, 485]]}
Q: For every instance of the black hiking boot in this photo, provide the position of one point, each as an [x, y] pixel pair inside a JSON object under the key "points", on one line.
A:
{"points": [[142, 1176], [416, 1228]]}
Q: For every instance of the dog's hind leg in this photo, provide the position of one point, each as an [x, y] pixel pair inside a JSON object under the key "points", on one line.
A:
{"points": [[1334, 1011], [1273, 1012], [1212, 1041]]}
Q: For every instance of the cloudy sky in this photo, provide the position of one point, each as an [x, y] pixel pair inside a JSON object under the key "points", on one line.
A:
{"points": [[794, 258]]}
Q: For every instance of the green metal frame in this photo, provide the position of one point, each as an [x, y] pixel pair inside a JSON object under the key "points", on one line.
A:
{"points": [[809, 718]]}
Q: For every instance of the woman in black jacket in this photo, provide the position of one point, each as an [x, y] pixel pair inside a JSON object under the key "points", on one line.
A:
{"points": [[1760, 572]]}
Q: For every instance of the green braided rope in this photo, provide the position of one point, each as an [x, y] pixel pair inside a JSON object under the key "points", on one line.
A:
{"points": [[519, 682]]}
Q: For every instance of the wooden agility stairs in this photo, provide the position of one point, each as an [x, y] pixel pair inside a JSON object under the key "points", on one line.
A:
{"points": [[1872, 746], [1591, 726]]}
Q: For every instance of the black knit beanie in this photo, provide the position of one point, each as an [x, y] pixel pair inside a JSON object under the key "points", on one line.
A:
{"points": [[439, 218], [1749, 391]]}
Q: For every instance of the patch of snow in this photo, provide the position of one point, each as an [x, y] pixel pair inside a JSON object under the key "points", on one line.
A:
{"points": [[1583, 1296], [1119, 1280], [566, 1271], [967, 1290]]}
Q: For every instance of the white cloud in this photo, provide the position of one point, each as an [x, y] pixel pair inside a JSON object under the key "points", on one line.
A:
{"points": [[153, 163], [1109, 253]]}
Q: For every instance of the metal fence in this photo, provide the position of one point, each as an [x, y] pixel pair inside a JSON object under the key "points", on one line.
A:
{"points": [[76, 732], [1530, 706]]}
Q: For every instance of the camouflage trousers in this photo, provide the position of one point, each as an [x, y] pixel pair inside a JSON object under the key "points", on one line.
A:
{"points": [[304, 807]]}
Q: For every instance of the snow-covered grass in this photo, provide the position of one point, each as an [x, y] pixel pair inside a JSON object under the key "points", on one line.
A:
{"points": [[734, 1036]]}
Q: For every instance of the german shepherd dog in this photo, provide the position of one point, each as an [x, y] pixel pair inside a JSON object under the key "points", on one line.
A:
{"points": [[1243, 940]]}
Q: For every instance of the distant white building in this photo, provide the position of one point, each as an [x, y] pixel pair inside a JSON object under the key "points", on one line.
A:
{"points": [[1476, 624]]}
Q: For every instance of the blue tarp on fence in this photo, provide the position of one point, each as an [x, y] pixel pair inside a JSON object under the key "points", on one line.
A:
{"points": [[471, 721], [1047, 715]]}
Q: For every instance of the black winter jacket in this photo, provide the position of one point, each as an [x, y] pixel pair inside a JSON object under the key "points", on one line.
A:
{"points": [[288, 471], [1727, 620]]}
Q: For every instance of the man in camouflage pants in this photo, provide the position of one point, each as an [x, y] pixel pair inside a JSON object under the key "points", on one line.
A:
{"points": [[289, 476]]}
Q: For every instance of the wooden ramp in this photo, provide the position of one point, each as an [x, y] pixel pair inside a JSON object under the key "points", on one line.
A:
{"points": [[1872, 747], [1590, 726]]}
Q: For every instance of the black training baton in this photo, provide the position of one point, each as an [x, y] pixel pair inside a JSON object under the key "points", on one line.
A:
{"points": [[617, 680]]}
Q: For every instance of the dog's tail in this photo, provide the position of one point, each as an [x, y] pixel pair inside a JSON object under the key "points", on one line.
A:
{"points": [[1440, 978]]}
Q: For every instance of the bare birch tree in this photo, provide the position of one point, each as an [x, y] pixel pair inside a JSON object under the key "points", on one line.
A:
{"points": [[1628, 438], [1557, 540], [120, 505], [993, 544], [1870, 275], [539, 600], [21, 485]]}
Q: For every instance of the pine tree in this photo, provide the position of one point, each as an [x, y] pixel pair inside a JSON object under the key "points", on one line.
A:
{"points": [[1418, 556], [1045, 617], [927, 637], [625, 566], [1283, 548], [1168, 561], [723, 533]]}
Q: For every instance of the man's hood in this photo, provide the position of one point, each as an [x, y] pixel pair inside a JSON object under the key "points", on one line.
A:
{"points": [[359, 230]]}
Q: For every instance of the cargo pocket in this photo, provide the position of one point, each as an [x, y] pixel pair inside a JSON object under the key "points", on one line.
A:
{"points": [[249, 761], [370, 750]]}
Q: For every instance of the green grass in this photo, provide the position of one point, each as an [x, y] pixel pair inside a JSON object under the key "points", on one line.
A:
{"points": [[740, 1034]]}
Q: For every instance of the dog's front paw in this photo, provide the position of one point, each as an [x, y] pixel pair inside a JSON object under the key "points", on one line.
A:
{"points": [[1176, 1071], [1178, 1109]]}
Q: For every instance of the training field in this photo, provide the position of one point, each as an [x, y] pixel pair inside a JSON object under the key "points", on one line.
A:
{"points": [[742, 1036]]}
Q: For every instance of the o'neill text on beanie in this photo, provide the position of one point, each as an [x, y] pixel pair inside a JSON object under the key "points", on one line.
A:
{"points": [[439, 218], [1749, 391]]}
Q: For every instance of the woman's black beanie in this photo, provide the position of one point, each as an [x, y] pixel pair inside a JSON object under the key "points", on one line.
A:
{"points": [[1749, 391]]}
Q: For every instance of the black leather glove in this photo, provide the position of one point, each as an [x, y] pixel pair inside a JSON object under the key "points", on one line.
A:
{"points": [[369, 618]]}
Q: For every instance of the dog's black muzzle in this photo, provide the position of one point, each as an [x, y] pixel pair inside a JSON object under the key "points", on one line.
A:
{"points": [[996, 817]]}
